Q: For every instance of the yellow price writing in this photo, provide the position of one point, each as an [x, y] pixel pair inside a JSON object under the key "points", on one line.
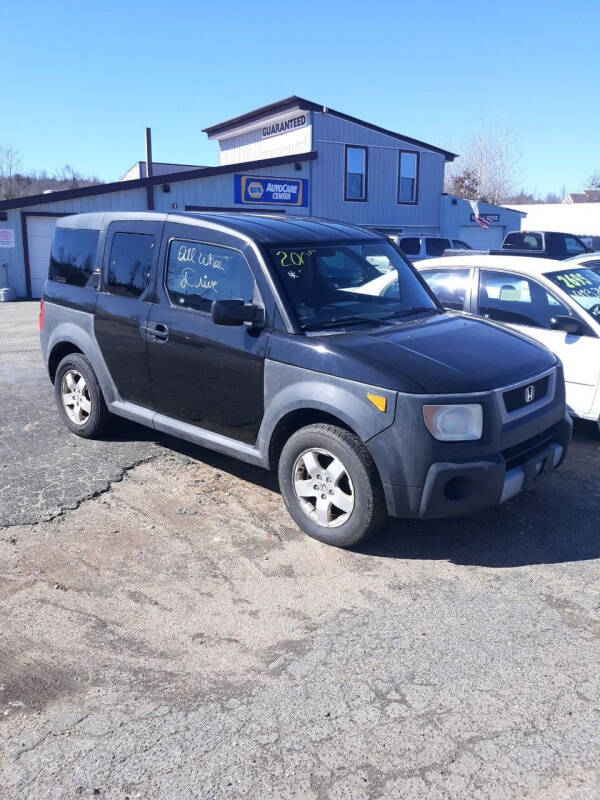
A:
{"points": [[293, 258], [574, 279]]}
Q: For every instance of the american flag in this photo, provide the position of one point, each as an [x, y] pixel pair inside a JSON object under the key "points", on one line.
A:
{"points": [[481, 219]]}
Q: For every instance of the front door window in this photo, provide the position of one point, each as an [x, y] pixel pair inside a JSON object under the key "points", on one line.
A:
{"points": [[199, 273], [511, 298]]}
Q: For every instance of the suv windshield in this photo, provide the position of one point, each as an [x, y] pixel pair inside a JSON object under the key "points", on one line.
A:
{"points": [[335, 283], [582, 286]]}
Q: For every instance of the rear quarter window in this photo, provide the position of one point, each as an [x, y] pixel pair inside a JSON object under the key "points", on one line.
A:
{"points": [[523, 241], [411, 245], [436, 246], [73, 256]]}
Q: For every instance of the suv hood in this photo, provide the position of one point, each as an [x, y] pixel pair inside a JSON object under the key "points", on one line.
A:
{"points": [[445, 354]]}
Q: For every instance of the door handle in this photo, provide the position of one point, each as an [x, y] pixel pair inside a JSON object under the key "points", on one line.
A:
{"points": [[159, 331]]}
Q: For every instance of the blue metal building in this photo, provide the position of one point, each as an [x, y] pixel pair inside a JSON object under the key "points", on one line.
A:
{"points": [[291, 157]]}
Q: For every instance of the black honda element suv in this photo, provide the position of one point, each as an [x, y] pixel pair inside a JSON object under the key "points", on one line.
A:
{"points": [[282, 342]]}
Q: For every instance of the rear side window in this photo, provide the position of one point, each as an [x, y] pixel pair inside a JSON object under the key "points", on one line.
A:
{"points": [[461, 245], [199, 273], [435, 246], [451, 286], [523, 241], [574, 246], [130, 264], [73, 256], [411, 245]]}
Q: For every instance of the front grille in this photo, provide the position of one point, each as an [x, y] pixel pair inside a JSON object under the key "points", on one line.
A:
{"points": [[518, 453], [522, 396]]}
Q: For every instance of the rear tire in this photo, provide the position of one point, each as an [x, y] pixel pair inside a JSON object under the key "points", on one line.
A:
{"points": [[330, 485], [79, 397]]}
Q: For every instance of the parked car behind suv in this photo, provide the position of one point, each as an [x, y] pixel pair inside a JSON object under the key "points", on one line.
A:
{"points": [[259, 338], [548, 244], [555, 302], [539, 244], [419, 247]]}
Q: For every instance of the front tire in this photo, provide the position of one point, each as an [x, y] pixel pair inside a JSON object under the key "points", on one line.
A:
{"points": [[79, 397], [330, 485]]}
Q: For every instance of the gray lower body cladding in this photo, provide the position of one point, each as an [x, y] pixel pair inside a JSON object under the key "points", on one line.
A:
{"points": [[421, 476], [425, 478]]}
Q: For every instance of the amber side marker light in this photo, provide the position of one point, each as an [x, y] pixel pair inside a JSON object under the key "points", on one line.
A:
{"points": [[378, 401]]}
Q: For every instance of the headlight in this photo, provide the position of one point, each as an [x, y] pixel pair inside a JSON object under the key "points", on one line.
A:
{"points": [[454, 423]]}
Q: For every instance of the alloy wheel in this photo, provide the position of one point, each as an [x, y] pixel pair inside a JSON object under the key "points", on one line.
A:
{"points": [[75, 397], [323, 487]]}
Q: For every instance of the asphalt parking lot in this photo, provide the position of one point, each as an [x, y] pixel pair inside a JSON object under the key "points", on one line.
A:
{"points": [[167, 632]]}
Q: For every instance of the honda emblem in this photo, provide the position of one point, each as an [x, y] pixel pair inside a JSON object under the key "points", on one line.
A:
{"points": [[530, 394]]}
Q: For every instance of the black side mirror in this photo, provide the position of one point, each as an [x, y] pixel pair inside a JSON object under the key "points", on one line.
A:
{"points": [[568, 325], [236, 312]]}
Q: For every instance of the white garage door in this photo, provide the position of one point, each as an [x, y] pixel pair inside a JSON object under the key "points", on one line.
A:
{"points": [[39, 240], [480, 239]]}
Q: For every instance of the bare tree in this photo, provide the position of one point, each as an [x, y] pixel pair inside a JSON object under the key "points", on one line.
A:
{"points": [[594, 180], [16, 184], [490, 157], [522, 197], [552, 197], [593, 187], [10, 159], [463, 184]]}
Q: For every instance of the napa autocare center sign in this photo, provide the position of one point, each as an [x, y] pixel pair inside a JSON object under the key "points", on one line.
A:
{"points": [[250, 189]]}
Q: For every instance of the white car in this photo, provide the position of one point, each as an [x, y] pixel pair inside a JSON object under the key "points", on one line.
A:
{"points": [[590, 260], [555, 302]]}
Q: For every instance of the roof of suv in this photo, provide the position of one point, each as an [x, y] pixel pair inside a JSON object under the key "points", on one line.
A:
{"points": [[262, 228], [527, 265]]}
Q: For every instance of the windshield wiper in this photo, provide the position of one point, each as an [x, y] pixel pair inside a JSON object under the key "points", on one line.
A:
{"points": [[339, 322], [414, 310]]}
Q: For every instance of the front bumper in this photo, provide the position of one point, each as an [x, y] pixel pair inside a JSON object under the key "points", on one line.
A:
{"points": [[427, 479], [455, 489]]}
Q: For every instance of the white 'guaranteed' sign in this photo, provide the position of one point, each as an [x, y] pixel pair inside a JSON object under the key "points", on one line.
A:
{"points": [[7, 237], [284, 126]]}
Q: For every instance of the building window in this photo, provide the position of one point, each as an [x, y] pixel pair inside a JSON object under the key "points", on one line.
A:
{"points": [[355, 185], [408, 177]]}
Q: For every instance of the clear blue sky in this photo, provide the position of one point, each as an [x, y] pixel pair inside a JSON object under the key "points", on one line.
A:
{"points": [[81, 80]]}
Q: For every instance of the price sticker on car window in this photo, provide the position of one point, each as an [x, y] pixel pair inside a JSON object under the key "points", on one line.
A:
{"points": [[573, 280]]}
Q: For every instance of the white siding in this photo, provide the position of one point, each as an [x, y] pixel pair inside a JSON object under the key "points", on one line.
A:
{"points": [[580, 219], [480, 239], [251, 146]]}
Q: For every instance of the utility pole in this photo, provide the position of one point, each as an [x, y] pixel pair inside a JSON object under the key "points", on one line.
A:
{"points": [[149, 171]]}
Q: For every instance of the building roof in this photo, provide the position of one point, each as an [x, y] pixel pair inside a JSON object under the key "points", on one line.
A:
{"points": [[482, 203], [586, 196], [293, 102], [260, 227], [158, 168], [171, 177]]}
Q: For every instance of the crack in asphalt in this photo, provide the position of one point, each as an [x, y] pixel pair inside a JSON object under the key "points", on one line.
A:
{"points": [[69, 507]]}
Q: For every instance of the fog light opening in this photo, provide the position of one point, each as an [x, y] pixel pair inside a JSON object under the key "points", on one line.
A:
{"points": [[458, 488]]}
